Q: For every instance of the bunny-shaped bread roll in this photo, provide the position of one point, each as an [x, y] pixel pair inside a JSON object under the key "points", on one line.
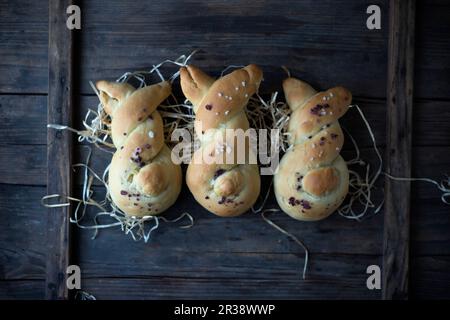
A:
{"points": [[218, 180], [143, 180], [312, 178]]}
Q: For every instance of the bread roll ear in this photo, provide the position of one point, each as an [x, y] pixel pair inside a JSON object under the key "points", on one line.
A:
{"points": [[312, 179], [116, 90], [255, 75], [111, 93], [297, 92], [194, 83], [142, 178]]}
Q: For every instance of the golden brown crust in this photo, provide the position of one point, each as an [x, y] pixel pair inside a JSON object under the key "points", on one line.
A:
{"points": [[194, 83], [320, 181], [297, 92], [136, 109], [111, 92], [312, 179], [218, 181], [226, 97], [143, 180], [321, 109]]}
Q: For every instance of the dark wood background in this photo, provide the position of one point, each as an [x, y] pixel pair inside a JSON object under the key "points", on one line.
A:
{"points": [[325, 43]]}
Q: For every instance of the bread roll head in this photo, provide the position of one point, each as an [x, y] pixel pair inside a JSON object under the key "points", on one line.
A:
{"points": [[312, 179], [143, 180], [223, 175]]}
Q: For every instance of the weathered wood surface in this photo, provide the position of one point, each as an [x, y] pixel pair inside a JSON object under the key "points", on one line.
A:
{"points": [[23, 120], [399, 125], [429, 280], [303, 34], [24, 46], [59, 148], [430, 277], [240, 244], [432, 49], [118, 36], [22, 289]]}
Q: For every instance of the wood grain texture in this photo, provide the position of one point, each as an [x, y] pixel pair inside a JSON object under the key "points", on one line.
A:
{"points": [[23, 46], [430, 222], [432, 49], [119, 36], [22, 289], [267, 289], [22, 233], [399, 132], [243, 248], [59, 148], [305, 36], [30, 165], [23, 119], [430, 278]]}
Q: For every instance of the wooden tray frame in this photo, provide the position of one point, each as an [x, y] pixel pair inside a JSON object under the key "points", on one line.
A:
{"points": [[400, 78]]}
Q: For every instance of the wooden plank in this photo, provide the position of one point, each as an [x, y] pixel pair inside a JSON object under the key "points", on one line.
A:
{"points": [[30, 165], [22, 290], [22, 233], [23, 253], [59, 153], [229, 265], [306, 39], [432, 50], [246, 234], [430, 222], [245, 247], [430, 278], [399, 129], [24, 258], [303, 35], [327, 275], [24, 46], [188, 288], [23, 119], [431, 119]]}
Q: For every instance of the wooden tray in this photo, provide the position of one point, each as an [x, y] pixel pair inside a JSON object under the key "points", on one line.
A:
{"points": [[398, 75]]}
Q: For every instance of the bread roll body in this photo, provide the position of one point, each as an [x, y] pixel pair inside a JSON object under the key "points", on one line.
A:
{"points": [[312, 178], [142, 178], [219, 178]]}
